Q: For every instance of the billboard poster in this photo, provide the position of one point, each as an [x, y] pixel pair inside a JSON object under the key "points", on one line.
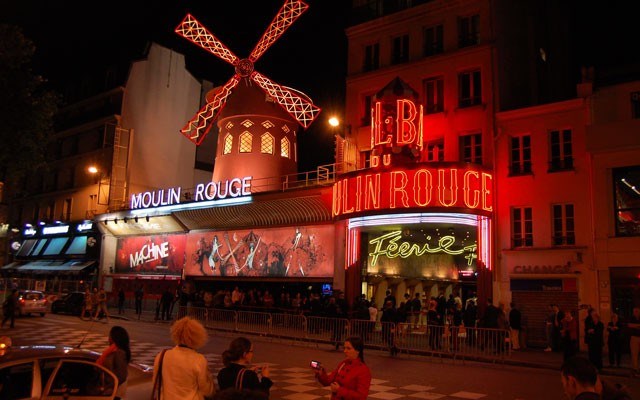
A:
{"points": [[155, 254], [289, 252]]}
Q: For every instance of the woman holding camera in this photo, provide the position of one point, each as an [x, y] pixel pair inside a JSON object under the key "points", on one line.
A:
{"points": [[238, 373], [352, 378]]}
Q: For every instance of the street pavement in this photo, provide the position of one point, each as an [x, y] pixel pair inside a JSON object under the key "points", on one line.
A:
{"points": [[528, 374]]}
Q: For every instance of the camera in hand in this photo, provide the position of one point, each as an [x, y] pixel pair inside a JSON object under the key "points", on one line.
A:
{"points": [[315, 364]]}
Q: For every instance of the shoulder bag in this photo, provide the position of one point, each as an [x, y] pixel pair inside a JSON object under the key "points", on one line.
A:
{"points": [[239, 378], [157, 384]]}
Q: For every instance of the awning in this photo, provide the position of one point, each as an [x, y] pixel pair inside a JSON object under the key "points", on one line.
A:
{"points": [[143, 276], [274, 212], [13, 265], [47, 266]]}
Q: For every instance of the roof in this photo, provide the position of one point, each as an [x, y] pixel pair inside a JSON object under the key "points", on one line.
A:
{"points": [[45, 351]]}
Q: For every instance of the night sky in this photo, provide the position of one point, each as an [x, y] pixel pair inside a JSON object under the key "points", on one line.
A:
{"points": [[310, 56]]}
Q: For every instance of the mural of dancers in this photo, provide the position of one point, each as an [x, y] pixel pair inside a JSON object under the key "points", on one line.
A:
{"points": [[305, 251]]}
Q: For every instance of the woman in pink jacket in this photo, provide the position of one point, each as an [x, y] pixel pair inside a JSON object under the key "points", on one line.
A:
{"points": [[351, 379]]}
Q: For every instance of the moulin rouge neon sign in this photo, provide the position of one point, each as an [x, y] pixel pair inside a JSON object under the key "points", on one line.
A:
{"points": [[383, 187], [418, 188], [393, 249]]}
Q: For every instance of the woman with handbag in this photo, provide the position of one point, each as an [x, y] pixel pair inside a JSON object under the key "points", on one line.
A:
{"points": [[352, 378], [238, 372], [181, 372]]}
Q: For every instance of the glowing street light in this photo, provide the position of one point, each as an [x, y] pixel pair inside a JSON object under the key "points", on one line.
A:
{"points": [[92, 170], [334, 121]]}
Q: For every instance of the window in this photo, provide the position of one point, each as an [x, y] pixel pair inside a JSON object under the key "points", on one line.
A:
{"points": [[245, 142], [520, 155], [626, 185], [469, 88], [228, 142], [400, 49], [17, 381], [83, 379], [77, 246], [26, 247], [469, 31], [434, 95], [284, 148], [367, 104], [563, 225], [55, 246], [433, 41], [561, 150], [435, 151], [266, 143], [471, 148], [522, 227], [371, 57], [66, 209], [635, 105]]}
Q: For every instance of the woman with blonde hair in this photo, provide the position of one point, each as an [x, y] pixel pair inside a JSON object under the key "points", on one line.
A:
{"points": [[183, 372]]}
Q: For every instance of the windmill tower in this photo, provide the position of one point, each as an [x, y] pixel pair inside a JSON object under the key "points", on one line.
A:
{"points": [[257, 138]]}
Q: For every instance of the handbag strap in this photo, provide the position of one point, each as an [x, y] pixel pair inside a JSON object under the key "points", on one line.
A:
{"points": [[239, 378], [157, 385]]}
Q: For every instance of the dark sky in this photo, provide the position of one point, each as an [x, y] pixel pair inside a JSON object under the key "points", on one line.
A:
{"points": [[310, 56]]}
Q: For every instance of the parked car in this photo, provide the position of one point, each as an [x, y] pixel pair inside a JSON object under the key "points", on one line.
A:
{"points": [[57, 372], [32, 301], [71, 303]]}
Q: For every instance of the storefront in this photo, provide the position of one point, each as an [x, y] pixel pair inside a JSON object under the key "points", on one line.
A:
{"points": [[55, 257], [422, 230]]}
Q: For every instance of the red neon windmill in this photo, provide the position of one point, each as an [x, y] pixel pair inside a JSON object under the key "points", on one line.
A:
{"points": [[298, 107]]}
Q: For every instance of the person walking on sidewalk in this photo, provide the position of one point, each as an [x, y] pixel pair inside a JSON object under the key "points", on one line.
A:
{"points": [[139, 295], [634, 338], [515, 324], [595, 339], [101, 305], [121, 301], [89, 301], [614, 341], [9, 308]]}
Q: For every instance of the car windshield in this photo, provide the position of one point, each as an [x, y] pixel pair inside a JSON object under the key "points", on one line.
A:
{"points": [[32, 296]]}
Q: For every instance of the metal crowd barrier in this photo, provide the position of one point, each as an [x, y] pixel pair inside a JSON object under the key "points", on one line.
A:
{"points": [[457, 342]]}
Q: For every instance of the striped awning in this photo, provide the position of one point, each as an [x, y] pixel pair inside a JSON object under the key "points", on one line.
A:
{"points": [[280, 211]]}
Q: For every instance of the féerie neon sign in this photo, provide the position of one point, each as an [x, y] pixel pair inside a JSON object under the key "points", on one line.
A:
{"points": [[394, 249], [463, 187]]}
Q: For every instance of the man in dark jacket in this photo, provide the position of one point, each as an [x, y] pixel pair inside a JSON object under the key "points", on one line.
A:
{"points": [[9, 308], [388, 320], [515, 324]]}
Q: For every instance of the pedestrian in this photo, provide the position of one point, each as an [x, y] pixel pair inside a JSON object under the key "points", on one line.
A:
{"points": [[9, 308], [239, 372], [101, 304], [121, 298], [579, 378], [351, 379], [634, 338], [515, 324], [88, 304], [165, 304], [569, 334], [388, 322], [181, 371], [116, 358], [138, 296], [594, 337], [549, 328], [614, 340]]}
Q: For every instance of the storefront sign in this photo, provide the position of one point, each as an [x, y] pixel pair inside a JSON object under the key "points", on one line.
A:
{"points": [[235, 187], [543, 285], [390, 246], [463, 187], [151, 254], [542, 269]]}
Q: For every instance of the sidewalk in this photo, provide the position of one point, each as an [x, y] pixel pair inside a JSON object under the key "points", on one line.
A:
{"points": [[529, 357]]}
